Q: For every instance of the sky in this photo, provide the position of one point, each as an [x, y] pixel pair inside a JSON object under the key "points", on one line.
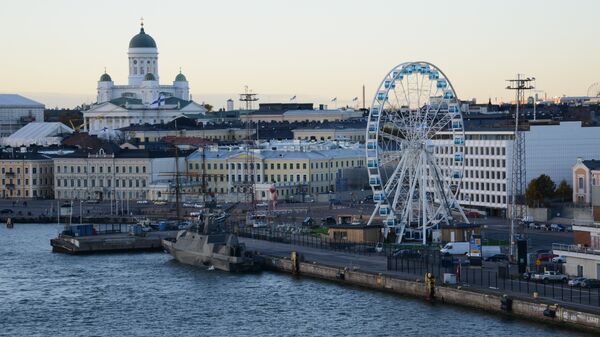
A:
{"points": [[55, 51]]}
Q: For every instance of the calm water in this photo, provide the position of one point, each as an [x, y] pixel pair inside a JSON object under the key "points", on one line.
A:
{"points": [[48, 294]]}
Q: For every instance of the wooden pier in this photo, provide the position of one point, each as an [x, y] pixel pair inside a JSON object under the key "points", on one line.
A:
{"points": [[117, 242]]}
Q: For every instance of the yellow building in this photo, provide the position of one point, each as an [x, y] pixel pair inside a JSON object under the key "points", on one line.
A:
{"points": [[26, 175], [295, 169]]}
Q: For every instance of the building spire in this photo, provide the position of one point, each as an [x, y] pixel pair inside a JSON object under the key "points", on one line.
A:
{"points": [[142, 24], [180, 70]]}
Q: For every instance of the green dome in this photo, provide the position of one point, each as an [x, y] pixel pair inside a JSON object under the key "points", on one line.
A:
{"points": [[180, 78], [142, 40], [105, 78], [149, 77]]}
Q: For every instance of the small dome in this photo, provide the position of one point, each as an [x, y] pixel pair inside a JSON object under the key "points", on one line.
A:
{"points": [[180, 78], [149, 77], [142, 40], [105, 78]]}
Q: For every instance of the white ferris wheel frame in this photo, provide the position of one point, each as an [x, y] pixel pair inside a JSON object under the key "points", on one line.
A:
{"points": [[422, 167]]}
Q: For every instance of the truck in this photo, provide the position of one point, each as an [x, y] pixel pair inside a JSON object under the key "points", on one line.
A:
{"points": [[550, 276], [455, 248], [488, 251]]}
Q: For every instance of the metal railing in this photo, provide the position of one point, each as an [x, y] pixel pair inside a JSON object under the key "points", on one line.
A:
{"points": [[490, 279], [575, 249]]}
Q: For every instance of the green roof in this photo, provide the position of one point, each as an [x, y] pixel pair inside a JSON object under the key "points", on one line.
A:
{"points": [[180, 78], [149, 77], [105, 78], [142, 40]]}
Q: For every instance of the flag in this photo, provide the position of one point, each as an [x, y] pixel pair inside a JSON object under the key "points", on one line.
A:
{"points": [[158, 102], [355, 99], [334, 99], [293, 98]]}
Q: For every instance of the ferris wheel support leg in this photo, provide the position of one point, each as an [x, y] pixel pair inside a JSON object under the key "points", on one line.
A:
{"points": [[373, 214], [423, 200]]}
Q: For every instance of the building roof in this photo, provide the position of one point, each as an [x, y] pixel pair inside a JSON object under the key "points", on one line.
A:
{"points": [[14, 100], [180, 78], [38, 133], [592, 164], [142, 40], [17, 155], [149, 77], [105, 78], [350, 226]]}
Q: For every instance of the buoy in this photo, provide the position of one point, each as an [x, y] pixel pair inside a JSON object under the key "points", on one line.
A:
{"points": [[9, 223]]}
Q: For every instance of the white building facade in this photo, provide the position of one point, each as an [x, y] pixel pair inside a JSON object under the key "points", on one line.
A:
{"points": [[550, 150]]}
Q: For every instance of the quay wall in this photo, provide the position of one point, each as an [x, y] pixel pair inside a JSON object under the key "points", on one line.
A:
{"points": [[524, 308]]}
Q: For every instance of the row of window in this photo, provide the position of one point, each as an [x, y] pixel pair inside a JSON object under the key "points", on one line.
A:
{"points": [[83, 169], [487, 198], [34, 170], [34, 181], [279, 166], [100, 182], [473, 150]]}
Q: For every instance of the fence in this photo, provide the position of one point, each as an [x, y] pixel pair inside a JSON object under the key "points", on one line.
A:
{"points": [[321, 242], [483, 278]]}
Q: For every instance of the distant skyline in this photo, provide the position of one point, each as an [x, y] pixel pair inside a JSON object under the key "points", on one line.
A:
{"points": [[55, 51]]}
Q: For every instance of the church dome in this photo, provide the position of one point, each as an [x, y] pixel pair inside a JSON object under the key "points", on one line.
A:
{"points": [[180, 78], [142, 40], [105, 78], [149, 77]]}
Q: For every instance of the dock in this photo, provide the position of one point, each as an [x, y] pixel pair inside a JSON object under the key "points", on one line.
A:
{"points": [[371, 272], [114, 242]]}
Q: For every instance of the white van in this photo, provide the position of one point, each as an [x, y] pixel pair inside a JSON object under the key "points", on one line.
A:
{"points": [[455, 248]]}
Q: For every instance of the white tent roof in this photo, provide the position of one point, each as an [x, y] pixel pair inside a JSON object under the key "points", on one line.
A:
{"points": [[38, 133]]}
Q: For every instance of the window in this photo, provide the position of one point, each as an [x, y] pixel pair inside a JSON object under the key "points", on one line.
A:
{"points": [[580, 183]]}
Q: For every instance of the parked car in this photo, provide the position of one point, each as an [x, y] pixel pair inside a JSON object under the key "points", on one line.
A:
{"points": [[187, 204], [550, 276], [533, 225], [542, 251], [142, 201], [6, 211], [497, 258], [160, 202], [407, 253], [557, 227], [198, 205], [455, 248], [559, 259], [590, 283], [473, 214], [576, 282], [545, 226], [527, 275], [262, 204]]}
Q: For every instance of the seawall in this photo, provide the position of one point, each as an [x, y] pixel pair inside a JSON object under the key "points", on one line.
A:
{"points": [[523, 308]]}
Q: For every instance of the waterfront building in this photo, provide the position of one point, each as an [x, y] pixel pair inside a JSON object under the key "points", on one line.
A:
{"points": [[551, 149], [112, 173], [26, 175], [16, 111], [143, 100], [582, 258], [294, 169]]}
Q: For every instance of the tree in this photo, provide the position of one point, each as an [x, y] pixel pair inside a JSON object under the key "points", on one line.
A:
{"points": [[532, 194], [564, 191], [539, 190], [208, 107], [546, 187]]}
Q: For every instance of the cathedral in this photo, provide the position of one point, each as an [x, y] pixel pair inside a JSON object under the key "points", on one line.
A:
{"points": [[143, 100]]}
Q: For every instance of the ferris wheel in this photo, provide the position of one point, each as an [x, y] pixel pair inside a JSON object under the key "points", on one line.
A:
{"points": [[594, 90], [415, 151]]}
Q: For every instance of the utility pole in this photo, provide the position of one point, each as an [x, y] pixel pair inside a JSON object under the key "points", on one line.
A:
{"points": [[518, 174]]}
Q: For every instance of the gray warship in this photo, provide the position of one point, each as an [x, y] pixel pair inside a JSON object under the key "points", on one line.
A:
{"points": [[205, 244]]}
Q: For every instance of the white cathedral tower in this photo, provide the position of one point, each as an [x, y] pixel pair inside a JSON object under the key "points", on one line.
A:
{"points": [[143, 100], [144, 78]]}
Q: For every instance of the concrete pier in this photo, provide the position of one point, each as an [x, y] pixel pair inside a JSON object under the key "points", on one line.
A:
{"points": [[368, 271], [117, 242]]}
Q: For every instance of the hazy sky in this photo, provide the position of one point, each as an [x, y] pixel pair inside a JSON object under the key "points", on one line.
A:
{"points": [[55, 51]]}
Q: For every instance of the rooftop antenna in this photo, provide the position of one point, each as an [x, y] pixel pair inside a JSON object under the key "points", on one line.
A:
{"points": [[518, 207], [247, 183]]}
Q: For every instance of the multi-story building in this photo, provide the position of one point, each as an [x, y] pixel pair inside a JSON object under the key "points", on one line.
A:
{"points": [[551, 149], [111, 173], [26, 175], [184, 127], [291, 168], [331, 133], [582, 258], [16, 111]]}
